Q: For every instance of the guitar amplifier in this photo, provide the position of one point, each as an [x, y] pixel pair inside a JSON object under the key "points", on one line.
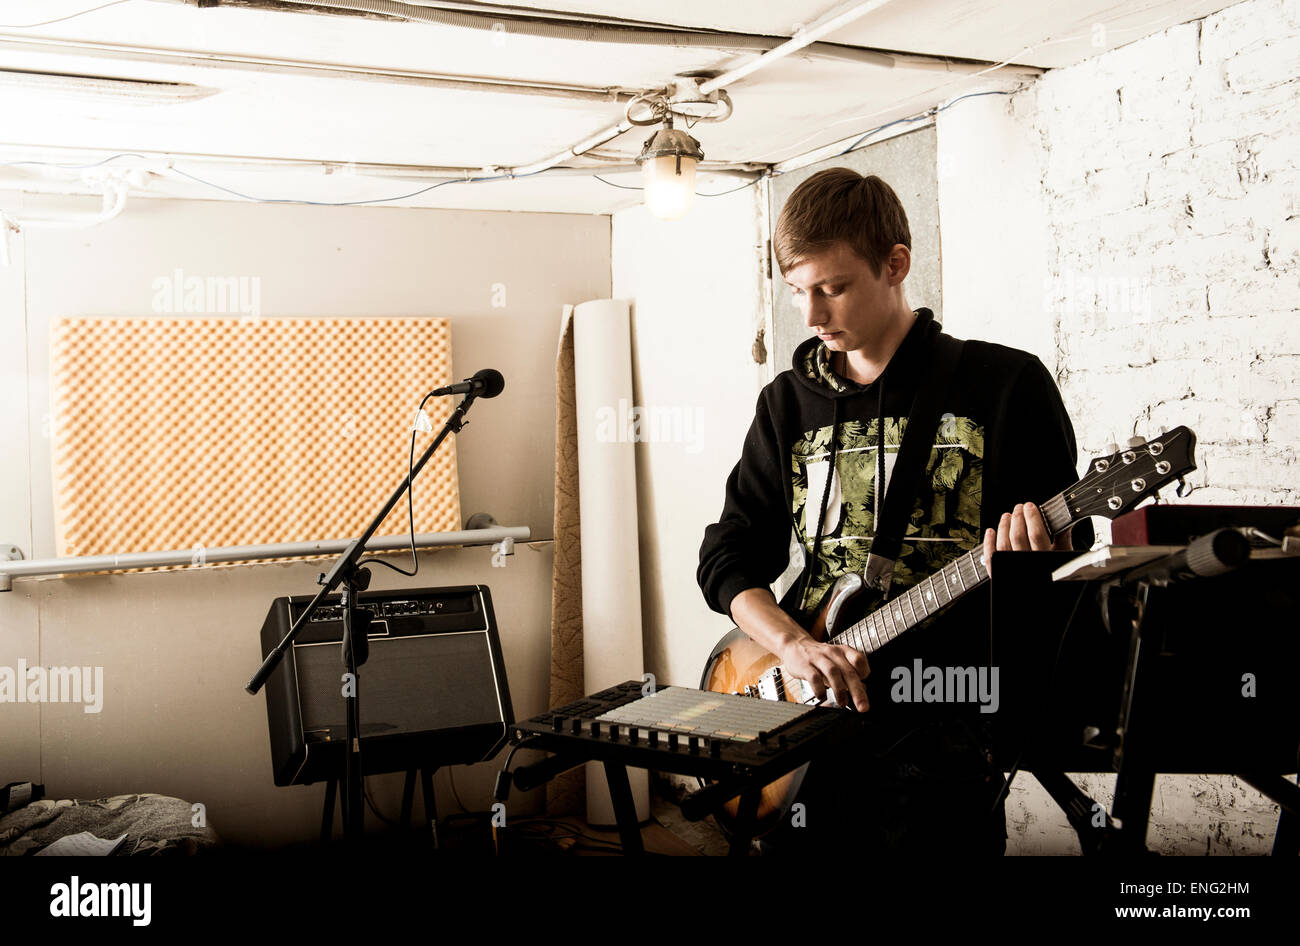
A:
{"points": [[433, 691]]}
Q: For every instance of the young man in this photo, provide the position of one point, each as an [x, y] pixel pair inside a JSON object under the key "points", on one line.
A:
{"points": [[812, 460]]}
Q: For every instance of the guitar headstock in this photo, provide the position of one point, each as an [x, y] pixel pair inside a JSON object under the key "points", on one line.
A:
{"points": [[1116, 483]]}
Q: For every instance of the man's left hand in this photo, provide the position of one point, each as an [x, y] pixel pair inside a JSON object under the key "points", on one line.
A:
{"points": [[1021, 530]]}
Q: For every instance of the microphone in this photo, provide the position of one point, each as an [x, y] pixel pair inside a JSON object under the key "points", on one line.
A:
{"points": [[486, 383], [1216, 553]]}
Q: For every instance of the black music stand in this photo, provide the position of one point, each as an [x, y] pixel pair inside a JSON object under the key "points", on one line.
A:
{"points": [[1166, 695]]}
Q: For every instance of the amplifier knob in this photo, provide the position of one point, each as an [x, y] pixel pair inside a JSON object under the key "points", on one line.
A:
{"points": [[693, 743], [715, 748], [557, 723], [672, 741], [632, 734], [575, 725], [595, 728], [613, 732], [653, 737]]}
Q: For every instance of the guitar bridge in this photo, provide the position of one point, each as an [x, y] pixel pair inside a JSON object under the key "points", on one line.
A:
{"points": [[778, 684]]}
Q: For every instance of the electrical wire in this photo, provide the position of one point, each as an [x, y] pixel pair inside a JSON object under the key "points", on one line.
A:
{"points": [[451, 780], [410, 501], [370, 803], [340, 203], [856, 145], [547, 829], [928, 113], [1143, 29], [356, 203], [73, 167], [628, 187], [60, 19], [625, 187]]}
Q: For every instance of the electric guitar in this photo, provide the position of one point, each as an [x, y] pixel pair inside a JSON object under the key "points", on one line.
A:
{"points": [[1113, 485]]}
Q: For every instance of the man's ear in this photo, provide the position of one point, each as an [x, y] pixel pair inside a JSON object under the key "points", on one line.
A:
{"points": [[899, 264]]}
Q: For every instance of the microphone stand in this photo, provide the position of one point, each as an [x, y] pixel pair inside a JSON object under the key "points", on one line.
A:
{"points": [[356, 645]]}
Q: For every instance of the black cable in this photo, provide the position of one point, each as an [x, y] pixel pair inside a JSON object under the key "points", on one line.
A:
{"points": [[629, 187], [355, 203], [505, 769], [451, 780], [410, 502], [550, 825], [370, 803]]}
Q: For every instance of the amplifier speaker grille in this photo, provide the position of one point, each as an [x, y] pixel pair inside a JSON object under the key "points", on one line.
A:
{"points": [[432, 692]]}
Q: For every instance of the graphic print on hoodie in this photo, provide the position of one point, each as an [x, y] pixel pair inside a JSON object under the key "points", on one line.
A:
{"points": [[944, 523]]}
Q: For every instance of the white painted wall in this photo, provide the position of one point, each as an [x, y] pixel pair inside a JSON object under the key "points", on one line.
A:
{"points": [[1133, 220], [177, 647], [991, 225], [694, 288]]}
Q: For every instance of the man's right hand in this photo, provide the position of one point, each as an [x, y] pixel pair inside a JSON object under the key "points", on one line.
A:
{"points": [[824, 666], [828, 667]]}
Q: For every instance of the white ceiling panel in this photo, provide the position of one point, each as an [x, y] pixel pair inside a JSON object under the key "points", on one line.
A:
{"points": [[302, 86], [1050, 34]]}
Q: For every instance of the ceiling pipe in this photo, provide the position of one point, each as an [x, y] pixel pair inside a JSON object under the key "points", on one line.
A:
{"points": [[188, 58], [139, 164], [840, 16], [581, 31], [833, 20], [114, 198]]}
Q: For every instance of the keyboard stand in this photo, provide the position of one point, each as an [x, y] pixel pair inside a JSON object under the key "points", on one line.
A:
{"points": [[733, 769]]}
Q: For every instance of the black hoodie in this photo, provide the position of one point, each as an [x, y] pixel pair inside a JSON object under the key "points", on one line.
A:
{"points": [[1004, 438]]}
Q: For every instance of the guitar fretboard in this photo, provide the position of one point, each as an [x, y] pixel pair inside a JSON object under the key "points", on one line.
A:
{"points": [[927, 597]]}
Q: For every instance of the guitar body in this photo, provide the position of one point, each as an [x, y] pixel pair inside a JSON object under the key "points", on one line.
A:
{"points": [[735, 666]]}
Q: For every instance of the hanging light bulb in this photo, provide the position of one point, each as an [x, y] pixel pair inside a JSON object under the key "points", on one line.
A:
{"points": [[668, 163]]}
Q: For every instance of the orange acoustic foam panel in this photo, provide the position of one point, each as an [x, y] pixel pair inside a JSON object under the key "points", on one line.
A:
{"points": [[185, 433]]}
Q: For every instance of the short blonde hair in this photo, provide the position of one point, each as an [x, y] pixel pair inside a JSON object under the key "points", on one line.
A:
{"points": [[839, 204]]}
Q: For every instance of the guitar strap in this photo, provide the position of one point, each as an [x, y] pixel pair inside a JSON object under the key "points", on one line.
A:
{"points": [[918, 439]]}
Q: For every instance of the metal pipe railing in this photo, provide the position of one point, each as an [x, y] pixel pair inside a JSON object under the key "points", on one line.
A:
{"points": [[200, 556]]}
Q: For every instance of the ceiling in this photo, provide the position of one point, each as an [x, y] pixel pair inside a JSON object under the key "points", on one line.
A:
{"points": [[281, 101]]}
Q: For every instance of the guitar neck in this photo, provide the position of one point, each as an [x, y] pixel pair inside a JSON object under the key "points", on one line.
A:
{"points": [[963, 574]]}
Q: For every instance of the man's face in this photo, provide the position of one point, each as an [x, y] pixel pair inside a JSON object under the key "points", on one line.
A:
{"points": [[841, 299]]}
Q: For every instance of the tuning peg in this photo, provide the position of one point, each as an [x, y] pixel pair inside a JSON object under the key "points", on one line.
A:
{"points": [[1135, 442]]}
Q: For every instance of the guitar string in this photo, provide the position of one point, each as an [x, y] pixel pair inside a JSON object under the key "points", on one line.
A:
{"points": [[977, 564], [1094, 474]]}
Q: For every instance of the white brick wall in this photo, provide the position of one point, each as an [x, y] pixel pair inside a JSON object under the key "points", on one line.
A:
{"points": [[1168, 176], [1171, 169]]}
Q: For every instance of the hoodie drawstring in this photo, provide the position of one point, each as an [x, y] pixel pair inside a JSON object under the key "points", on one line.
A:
{"points": [[880, 451], [830, 474], [826, 492]]}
